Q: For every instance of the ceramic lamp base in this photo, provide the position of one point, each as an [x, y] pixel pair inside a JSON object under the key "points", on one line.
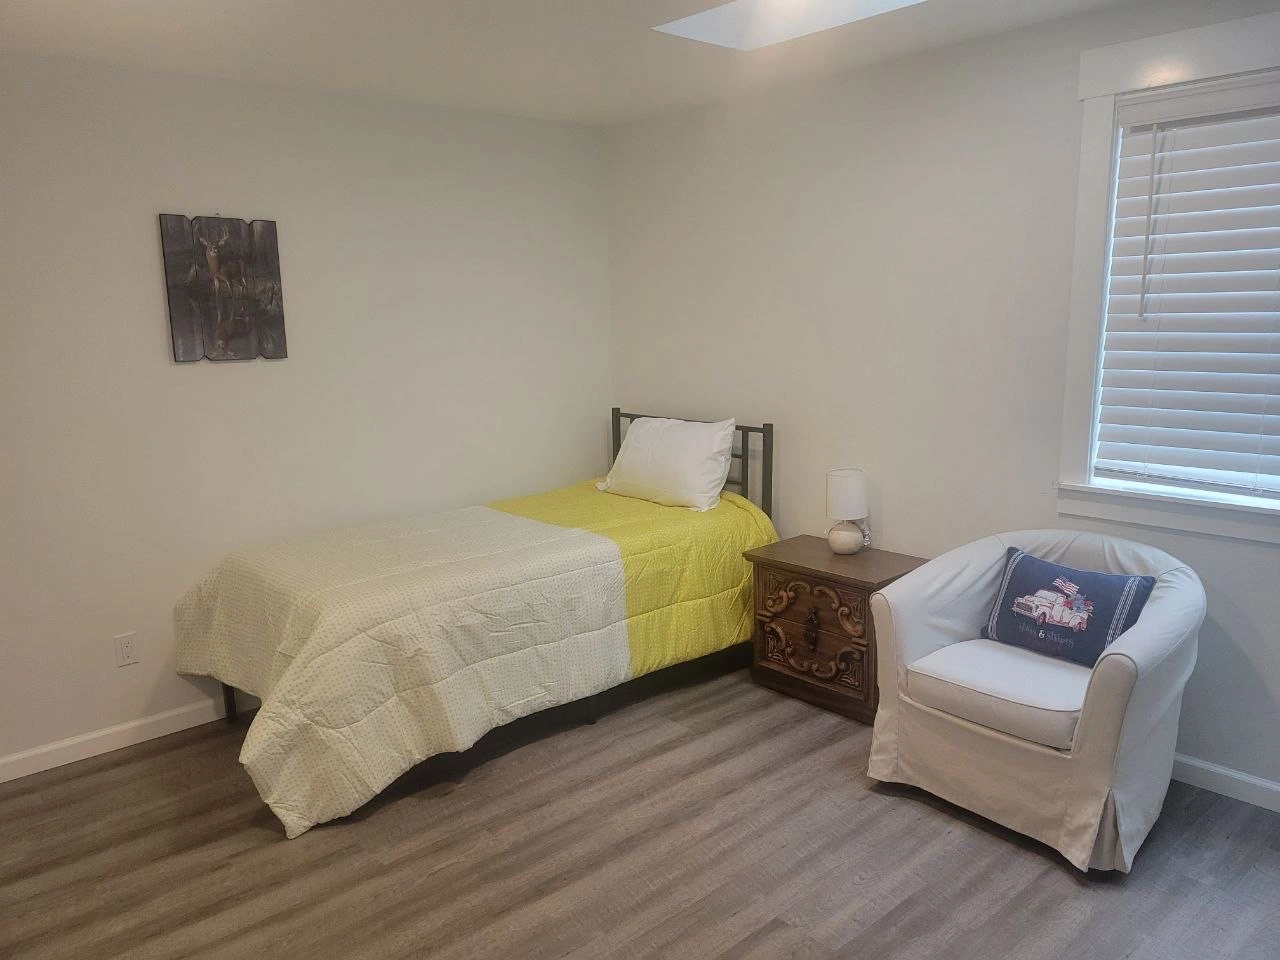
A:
{"points": [[846, 537]]}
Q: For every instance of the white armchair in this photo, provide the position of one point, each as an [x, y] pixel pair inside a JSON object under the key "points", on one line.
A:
{"points": [[1077, 758]]}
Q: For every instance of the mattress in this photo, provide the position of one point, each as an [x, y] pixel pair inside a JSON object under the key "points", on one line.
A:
{"points": [[375, 647]]}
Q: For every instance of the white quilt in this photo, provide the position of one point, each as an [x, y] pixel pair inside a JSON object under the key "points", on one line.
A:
{"points": [[374, 648]]}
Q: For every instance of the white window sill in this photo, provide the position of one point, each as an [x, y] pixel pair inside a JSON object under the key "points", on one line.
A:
{"points": [[1222, 515]]}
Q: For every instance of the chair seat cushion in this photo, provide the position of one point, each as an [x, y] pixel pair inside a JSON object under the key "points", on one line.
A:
{"points": [[1015, 691]]}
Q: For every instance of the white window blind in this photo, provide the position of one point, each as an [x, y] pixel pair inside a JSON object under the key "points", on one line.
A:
{"points": [[1190, 381]]}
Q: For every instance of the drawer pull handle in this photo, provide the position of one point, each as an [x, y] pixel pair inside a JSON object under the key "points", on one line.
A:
{"points": [[811, 629]]}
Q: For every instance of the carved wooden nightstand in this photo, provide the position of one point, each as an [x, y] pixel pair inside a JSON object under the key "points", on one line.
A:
{"points": [[814, 637]]}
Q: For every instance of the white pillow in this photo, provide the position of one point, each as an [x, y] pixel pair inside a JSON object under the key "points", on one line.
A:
{"points": [[678, 463]]}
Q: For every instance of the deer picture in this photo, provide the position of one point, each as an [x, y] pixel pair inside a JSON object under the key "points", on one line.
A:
{"points": [[222, 276], [226, 268], [224, 265]]}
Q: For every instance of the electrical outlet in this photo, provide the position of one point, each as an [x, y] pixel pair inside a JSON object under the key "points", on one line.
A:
{"points": [[126, 649]]}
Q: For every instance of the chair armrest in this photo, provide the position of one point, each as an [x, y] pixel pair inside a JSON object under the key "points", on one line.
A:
{"points": [[942, 602], [1172, 615], [1140, 677]]}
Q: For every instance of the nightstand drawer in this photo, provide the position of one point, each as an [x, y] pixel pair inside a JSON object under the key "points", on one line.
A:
{"points": [[811, 601], [815, 656]]}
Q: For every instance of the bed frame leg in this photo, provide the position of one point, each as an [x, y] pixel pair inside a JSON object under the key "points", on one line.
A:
{"points": [[229, 701]]}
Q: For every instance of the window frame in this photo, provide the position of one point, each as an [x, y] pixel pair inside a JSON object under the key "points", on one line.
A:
{"points": [[1215, 52]]}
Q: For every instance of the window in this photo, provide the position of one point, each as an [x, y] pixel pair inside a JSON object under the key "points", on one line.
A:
{"points": [[1188, 391], [1171, 409]]}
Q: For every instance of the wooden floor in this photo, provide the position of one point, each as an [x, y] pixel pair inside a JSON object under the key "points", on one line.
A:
{"points": [[718, 820]]}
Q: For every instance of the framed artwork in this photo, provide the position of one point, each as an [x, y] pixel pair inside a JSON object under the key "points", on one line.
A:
{"points": [[223, 282]]}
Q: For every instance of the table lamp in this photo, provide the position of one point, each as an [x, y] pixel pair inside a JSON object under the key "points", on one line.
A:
{"points": [[847, 504]]}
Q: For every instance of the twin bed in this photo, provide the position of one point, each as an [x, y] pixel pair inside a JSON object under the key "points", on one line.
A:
{"points": [[375, 647]]}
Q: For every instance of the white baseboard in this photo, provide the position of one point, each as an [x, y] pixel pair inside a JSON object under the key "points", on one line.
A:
{"points": [[91, 744], [1228, 782]]}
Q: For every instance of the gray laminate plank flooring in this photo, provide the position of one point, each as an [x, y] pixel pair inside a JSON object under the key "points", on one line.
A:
{"points": [[713, 821]]}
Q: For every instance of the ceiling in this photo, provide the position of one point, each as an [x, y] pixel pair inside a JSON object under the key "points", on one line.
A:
{"points": [[583, 61]]}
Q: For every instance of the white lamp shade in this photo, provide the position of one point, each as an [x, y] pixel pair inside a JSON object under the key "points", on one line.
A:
{"points": [[846, 494]]}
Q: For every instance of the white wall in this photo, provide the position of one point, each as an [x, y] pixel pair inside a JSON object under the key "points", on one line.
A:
{"points": [[445, 290], [880, 263]]}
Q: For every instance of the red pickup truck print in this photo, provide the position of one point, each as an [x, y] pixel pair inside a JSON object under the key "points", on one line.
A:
{"points": [[1064, 607]]}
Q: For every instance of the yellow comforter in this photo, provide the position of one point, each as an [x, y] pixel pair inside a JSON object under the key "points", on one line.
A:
{"points": [[375, 647], [688, 590]]}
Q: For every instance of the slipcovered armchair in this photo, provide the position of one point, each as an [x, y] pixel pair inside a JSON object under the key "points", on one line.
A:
{"points": [[1079, 759]]}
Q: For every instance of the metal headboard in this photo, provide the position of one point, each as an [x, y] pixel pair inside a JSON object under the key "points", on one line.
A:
{"points": [[742, 455]]}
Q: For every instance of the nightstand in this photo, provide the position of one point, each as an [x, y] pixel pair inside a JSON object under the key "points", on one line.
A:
{"points": [[814, 638]]}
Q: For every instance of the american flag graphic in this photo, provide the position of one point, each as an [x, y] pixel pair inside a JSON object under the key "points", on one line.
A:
{"points": [[1066, 586]]}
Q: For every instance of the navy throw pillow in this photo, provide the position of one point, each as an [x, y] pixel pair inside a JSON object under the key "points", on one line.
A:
{"points": [[1063, 612]]}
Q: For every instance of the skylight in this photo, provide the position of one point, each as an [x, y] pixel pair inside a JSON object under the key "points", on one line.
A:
{"points": [[751, 24]]}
